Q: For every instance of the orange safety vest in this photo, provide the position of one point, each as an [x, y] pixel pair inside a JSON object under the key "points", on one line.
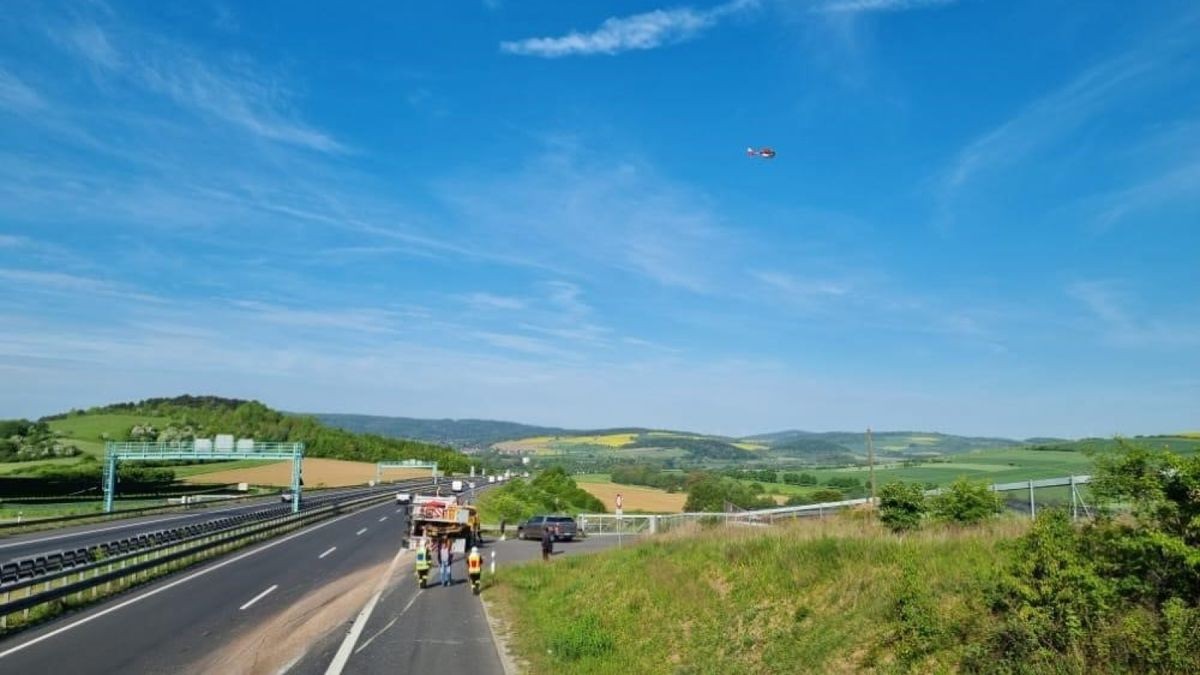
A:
{"points": [[474, 563]]}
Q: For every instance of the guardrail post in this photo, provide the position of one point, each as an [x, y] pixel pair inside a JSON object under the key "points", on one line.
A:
{"points": [[1074, 501], [1032, 505]]}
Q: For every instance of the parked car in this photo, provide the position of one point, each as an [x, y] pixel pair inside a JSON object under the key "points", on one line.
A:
{"points": [[532, 528]]}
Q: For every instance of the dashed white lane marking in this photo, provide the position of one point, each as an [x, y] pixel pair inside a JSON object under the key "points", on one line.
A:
{"points": [[258, 597], [360, 622], [360, 531], [160, 589], [383, 519], [331, 550]]}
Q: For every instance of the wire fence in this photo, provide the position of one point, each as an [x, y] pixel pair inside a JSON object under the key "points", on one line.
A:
{"points": [[1025, 497]]}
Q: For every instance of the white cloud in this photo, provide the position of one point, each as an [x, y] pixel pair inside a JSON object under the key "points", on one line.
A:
{"points": [[803, 290], [17, 96], [92, 43], [61, 282], [863, 6], [637, 32], [238, 93], [489, 301], [1110, 303], [1045, 119], [247, 100]]}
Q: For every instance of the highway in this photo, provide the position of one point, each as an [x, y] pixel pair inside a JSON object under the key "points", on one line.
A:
{"points": [[230, 615], [435, 630], [80, 536], [284, 605]]}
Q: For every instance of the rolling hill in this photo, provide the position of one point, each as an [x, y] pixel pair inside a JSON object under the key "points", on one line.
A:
{"points": [[834, 447]]}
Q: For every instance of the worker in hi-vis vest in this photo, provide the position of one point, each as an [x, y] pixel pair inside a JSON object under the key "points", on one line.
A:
{"points": [[474, 565], [423, 563]]}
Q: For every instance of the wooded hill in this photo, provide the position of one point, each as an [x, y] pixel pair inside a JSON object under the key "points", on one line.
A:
{"points": [[206, 416]]}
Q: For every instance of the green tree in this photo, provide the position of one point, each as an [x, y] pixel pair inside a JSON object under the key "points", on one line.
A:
{"points": [[966, 502], [901, 506]]}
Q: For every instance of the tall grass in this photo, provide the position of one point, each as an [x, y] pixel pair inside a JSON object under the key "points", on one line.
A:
{"points": [[840, 595]]}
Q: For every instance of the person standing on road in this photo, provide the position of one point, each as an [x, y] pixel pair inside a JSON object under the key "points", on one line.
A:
{"points": [[547, 542], [474, 565], [423, 560], [445, 558]]}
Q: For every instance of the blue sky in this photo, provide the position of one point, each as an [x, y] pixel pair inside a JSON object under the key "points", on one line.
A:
{"points": [[982, 217]]}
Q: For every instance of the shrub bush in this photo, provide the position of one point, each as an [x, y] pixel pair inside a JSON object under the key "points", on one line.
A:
{"points": [[901, 506], [966, 502]]}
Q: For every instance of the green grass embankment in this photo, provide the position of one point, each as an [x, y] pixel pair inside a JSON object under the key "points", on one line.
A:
{"points": [[833, 596]]}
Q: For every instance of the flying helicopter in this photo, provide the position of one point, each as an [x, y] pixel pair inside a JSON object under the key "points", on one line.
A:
{"points": [[763, 153]]}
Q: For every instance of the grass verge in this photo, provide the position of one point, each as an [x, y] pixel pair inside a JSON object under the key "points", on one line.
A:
{"points": [[839, 595]]}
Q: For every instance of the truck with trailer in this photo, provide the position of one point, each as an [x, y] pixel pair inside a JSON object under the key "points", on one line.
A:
{"points": [[433, 518]]}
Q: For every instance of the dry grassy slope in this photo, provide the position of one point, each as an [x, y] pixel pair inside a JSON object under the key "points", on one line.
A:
{"points": [[317, 473], [814, 597]]}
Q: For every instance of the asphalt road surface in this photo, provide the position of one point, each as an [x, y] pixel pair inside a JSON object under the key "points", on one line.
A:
{"points": [[286, 605], [436, 630], [21, 546], [235, 614]]}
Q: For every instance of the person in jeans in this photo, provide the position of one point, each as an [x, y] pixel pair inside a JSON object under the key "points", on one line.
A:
{"points": [[445, 559], [547, 542]]}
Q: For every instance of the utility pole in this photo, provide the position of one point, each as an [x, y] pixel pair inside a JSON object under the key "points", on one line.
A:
{"points": [[871, 463]]}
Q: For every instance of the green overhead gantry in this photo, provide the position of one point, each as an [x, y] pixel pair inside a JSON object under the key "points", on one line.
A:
{"points": [[404, 464], [201, 449]]}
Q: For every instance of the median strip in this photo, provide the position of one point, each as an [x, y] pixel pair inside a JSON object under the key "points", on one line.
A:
{"points": [[258, 597]]}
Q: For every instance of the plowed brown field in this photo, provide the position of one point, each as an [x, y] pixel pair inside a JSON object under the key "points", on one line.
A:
{"points": [[317, 473]]}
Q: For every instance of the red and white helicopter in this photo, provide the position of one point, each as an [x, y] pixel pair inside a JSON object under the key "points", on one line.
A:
{"points": [[763, 153]]}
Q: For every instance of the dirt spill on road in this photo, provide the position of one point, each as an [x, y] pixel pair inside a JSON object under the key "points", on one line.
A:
{"points": [[284, 638]]}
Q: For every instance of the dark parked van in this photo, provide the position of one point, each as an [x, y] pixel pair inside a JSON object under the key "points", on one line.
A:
{"points": [[565, 527]]}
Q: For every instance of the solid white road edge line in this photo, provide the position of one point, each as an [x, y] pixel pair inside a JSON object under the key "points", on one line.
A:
{"points": [[160, 589], [258, 597], [360, 531], [331, 550], [360, 622]]}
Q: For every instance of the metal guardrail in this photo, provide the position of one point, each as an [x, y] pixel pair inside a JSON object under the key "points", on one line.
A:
{"points": [[610, 524], [195, 539], [132, 513]]}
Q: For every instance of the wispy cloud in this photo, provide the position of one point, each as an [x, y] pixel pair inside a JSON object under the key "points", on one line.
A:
{"points": [[864, 6], [1111, 303], [91, 42], [489, 301], [61, 282], [804, 291], [18, 96], [1048, 118], [237, 93], [1181, 182], [637, 32], [588, 214], [368, 320]]}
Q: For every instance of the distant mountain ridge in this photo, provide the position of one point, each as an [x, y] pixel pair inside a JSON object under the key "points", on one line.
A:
{"points": [[479, 433]]}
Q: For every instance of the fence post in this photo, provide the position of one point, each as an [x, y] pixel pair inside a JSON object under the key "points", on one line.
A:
{"points": [[1032, 505], [1074, 503]]}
